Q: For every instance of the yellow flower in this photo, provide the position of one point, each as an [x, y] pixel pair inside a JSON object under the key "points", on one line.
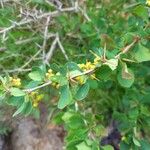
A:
{"points": [[15, 81], [89, 66], [123, 138], [10, 78], [81, 66], [54, 84], [33, 94], [36, 98], [47, 74], [39, 97], [57, 86], [50, 71], [80, 79], [96, 60], [35, 104], [148, 2], [58, 73]]}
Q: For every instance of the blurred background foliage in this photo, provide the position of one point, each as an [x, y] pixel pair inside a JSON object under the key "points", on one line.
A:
{"points": [[94, 23]]}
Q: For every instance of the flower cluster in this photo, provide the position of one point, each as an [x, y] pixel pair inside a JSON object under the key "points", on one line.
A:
{"points": [[50, 74], [97, 60], [15, 81], [80, 79], [88, 66], [148, 2], [36, 98]]}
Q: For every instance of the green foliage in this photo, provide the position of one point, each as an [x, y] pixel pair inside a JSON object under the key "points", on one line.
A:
{"points": [[16, 92], [106, 77], [82, 91], [65, 98], [142, 53]]}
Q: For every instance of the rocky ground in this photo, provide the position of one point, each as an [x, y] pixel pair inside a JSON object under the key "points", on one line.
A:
{"points": [[30, 135]]}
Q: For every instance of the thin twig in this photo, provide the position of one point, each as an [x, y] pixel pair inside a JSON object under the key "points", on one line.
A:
{"points": [[25, 41], [127, 48], [62, 49], [84, 14], [50, 52], [38, 87], [32, 58], [2, 5], [18, 70], [45, 36], [82, 73]]}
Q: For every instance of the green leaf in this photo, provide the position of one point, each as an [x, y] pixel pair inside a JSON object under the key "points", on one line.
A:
{"points": [[74, 73], [32, 84], [124, 146], [67, 115], [72, 66], [59, 79], [112, 63], [76, 121], [20, 109], [38, 1], [142, 53], [145, 145], [108, 147], [103, 72], [15, 101], [136, 142], [141, 11], [133, 113], [93, 84], [82, 91], [36, 76], [2, 95], [28, 108], [125, 72], [35, 112], [125, 82], [3, 80], [17, 92], [65, 97], [83, 146]]}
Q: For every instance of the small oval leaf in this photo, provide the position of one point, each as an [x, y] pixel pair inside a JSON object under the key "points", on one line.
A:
{"points": [[82, 91], [17, 92], [65, 97]]}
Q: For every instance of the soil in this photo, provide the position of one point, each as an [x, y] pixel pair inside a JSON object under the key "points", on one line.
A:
{"points": [[29, 135]]}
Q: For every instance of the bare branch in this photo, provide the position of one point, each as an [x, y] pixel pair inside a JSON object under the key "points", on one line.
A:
{"points": [[51, 50], [50, 14], [45, 36], [38, 87], [127, 48], [32, 58], [18, 70], [62, 49], [83, 73], [84, 14]]}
